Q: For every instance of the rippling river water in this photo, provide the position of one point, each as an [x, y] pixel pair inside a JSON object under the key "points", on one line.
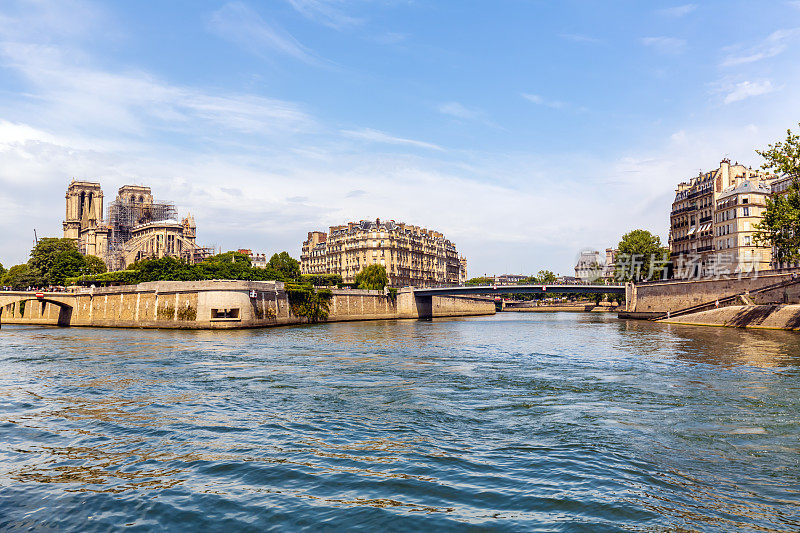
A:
{"points": [[511, 422]]}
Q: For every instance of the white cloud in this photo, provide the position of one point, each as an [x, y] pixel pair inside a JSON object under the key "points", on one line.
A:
{"points": [[325, 12], [678, 11], [775, 43], [538, 100], [133, 102], [665, 45], [748, 89], [457, 110], [371, 135], [243, 26], [581, 38]]}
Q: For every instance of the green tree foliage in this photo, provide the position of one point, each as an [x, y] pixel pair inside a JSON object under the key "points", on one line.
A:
{"points": [[311, 304], [373, 277], [783, 157], [285, 266], [640, 256], [2, 271], [480, 281], [545, 276], [322, 280], [229, 265], [53, 261], [94, 265], [780, 225], [19, 277]]}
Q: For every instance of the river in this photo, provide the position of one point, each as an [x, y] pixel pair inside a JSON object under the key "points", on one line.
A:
{"points": [[514, 422]]}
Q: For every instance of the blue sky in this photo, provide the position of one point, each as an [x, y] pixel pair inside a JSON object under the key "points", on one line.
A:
{"points": [[524, 130]]}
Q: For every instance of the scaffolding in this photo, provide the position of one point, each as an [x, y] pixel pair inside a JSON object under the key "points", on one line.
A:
{"points": [[123, 216]]}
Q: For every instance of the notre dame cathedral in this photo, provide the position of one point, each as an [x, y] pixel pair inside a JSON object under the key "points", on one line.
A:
{"points": [[134, 227]]}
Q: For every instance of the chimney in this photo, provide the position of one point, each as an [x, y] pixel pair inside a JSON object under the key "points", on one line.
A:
{"points": [[725, 172]]}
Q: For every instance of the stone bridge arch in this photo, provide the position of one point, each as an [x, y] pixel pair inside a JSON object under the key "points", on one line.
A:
{"points": [[11, 301]]}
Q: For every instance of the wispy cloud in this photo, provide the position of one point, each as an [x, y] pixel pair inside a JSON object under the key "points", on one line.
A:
{"points": [[581, 38], [773, 45], [325, 12], [371, 135], [238, 23], [457, 110], [677, 11], [538, 100], [134, 102], [748, 89], [665, 45]]}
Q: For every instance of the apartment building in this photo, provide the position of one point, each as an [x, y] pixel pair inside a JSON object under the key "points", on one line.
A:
{"points": [[738, 210], [412, 255], [692, 236]]}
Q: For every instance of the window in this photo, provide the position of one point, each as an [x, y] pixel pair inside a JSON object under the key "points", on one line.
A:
{"points": [[745, 211], [225, 313], [747, 240], [744, 200]]}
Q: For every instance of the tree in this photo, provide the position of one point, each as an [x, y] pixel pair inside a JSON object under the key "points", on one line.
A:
{"points": [[94, 265], [284, 266], [641, 257], [372, 277], [546, 276], [19, 277], [780, 225], [480, 281], [65, 264], [2, 271], [783, 157]]}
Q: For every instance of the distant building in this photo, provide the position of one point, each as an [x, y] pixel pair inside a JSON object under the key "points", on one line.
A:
{"points": [[509, 279], [609, 271], [256, 259], [695, 234], [412, 256], [462, 272], [590, 266], [135, 226]]}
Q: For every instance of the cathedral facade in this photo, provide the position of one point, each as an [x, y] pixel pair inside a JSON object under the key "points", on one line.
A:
{"points": [[135, 226]]}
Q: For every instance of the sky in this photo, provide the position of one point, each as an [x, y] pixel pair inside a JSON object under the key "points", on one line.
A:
{"points": [[524, 130]]}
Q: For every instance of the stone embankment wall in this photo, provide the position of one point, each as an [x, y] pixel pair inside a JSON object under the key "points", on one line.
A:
{"points": [[660, 297], [745, 316], [210, 305]]}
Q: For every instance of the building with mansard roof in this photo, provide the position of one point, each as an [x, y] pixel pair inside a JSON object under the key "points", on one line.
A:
{"points": [[412, 255]]}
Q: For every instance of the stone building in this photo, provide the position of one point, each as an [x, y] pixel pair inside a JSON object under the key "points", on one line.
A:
{"points": [[135, 226], [83, 222], [692, 237], [412, 256], [738, 210]]}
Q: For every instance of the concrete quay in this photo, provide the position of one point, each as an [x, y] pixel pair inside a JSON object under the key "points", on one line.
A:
{"points": [[217, 305], [775, 316]]}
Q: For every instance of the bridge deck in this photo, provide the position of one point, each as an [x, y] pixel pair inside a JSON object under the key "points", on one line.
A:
{"points": [[522, 289]]}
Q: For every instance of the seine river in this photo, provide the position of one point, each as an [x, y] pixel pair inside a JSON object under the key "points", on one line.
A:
{"points": [[516, 422]]}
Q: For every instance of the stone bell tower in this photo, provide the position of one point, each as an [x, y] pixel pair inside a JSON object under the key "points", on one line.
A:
{"points": [[84, 208]]}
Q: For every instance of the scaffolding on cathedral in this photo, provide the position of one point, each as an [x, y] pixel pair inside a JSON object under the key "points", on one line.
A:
{"points": [[123, 216]]}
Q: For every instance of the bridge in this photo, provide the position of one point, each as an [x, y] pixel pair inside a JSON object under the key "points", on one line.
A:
{"points": [[40, 307], [420, 303], [521, 289]]}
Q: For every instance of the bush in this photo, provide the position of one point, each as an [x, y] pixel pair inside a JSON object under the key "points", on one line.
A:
{"points": [[309, 303]]}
